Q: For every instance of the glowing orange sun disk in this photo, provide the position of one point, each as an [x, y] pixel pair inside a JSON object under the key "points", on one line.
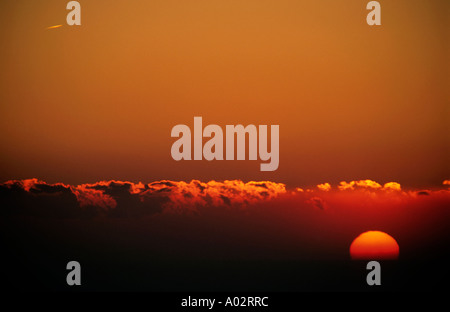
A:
{"points": [[374, 245]]}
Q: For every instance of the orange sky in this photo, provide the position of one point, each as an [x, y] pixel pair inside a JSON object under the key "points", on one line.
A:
{"points": [[98, 101]]}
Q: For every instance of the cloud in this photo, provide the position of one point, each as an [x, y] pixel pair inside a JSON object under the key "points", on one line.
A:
{"points": [[324, 187], [37, 198], [369, 185], [92, 197], [394, 186], [189, 196], [227, 219], [123, 198], [128, 199], [362, 184], [317, 202]]}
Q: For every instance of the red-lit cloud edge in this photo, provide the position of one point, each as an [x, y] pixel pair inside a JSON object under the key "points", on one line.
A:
{"points": [[170, 196]]}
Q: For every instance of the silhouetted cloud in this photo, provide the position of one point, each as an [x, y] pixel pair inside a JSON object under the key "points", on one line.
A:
{"points": [[123, 198], [317, 202], [127, 199], [37, 198], [223, 220]]}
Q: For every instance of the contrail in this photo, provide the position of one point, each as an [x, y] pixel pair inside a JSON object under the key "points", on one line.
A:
{"points": [[56, 26]]}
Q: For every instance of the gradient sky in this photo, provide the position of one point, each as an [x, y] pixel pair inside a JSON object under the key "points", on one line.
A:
{"points": [[98, 101]]}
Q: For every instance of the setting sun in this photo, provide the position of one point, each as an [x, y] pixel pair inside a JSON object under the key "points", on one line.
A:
{"points": [[373, 245]]}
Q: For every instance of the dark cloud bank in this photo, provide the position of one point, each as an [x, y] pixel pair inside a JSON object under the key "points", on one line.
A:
{"points": [[231, 235]]}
